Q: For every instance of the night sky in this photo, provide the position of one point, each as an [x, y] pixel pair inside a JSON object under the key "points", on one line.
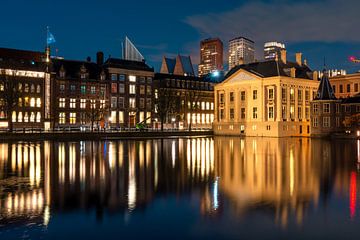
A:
{"points": [[319, 29]]}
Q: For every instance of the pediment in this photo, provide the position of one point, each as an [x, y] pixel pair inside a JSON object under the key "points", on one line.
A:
{"points": [[242, 76]]}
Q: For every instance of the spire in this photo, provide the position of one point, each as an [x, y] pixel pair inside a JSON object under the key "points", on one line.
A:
{"points": [[325, 91]]}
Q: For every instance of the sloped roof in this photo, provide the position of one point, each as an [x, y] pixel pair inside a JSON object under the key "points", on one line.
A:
{"points": [[170, 64], [187, 65], [353, 99], [73, 68], [22, 59], [127, 64], [325, 91], [273, 68]]}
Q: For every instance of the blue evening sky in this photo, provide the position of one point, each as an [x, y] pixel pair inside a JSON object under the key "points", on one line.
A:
{"points": [[318, 29]]}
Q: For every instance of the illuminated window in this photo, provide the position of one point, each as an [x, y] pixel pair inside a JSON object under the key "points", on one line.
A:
{"points": [[207, 106], [148, 117], [13, 119], [132, 89], [300, 113], [26, 117], [132, 78], [19, 87], [82, 103], [72, 118], [156, 94], [61, 102], [83, 89], [20, 102], [132, 103], [121, 117], [255, 115], [102, 104], [93, 103], [72, 103], [38, 102], [113, 88], [32, 102], [292, 94], [32, 117], [32, 88], [93, 90], [148, 90], [113, 117], [20, 117], [26, 87], [113, 77], [38, 117], [212, 106], [2, 87], [113, 102], [142, 89]]}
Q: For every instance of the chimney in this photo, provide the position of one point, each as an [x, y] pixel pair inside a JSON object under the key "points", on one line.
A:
{"points": [[283, 55], [99, 58], [315, 76], [298, 58], [293, 72], [305, 62]]}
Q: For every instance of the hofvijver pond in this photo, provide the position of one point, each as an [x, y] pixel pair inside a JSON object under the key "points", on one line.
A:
{"points": [[198, 188]]}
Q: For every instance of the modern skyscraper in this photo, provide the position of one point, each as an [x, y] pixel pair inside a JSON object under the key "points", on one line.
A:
{"points": [[271, 49], [241, 50], [211, 56]]}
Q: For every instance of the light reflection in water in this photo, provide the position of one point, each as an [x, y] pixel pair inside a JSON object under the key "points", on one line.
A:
{"points": [[288, 175]]}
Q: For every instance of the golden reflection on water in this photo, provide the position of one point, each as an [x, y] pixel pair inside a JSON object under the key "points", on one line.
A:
{"points": [[287, 176]]}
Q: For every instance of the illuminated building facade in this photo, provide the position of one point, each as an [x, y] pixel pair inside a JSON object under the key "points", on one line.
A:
{"points": [[80, 94], [273, 49], [241, 50], [195, 100], [270, 98], [22, 89], [211, 56], [131, 92], [345, 85]]}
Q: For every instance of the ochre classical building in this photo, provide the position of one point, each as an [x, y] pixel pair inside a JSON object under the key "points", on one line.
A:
{"points": [[345, 85], [270, 98]]}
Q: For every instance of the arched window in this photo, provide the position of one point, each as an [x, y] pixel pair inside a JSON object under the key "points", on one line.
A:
{"points": [[13, 116], [38, 117], [32, 88], [32, 117], [38, 88], [26, 117], [20, 117]]}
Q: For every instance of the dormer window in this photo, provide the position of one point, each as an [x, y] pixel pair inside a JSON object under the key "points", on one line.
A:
{"points": [[102, 76], [83, 72], [62, 72]]}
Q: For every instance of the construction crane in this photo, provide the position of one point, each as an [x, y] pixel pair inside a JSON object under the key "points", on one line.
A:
{"points": [[142, 125], [354, 59]]}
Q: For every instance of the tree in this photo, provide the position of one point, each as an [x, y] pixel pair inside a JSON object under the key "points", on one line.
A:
{"points": [[352, 120], [10, 95], [94, 115], [193, 97], [165, 104]]}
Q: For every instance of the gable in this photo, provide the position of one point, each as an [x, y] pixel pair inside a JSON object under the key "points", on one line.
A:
{"points": [[241, 75]]}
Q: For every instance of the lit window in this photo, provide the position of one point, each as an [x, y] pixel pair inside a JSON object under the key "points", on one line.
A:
{"points": [[121, 88], [132, 78], [38, 102], [13, 119], [38, 89], [148, 90], [38, 117], [20, 117], [132, 103], [93, 103], [32, 117], [121, 117], [73, 118], [72, 103], [32, 102], [62, 118], [113, 102], [113, 88], [113, 117], [292, 94], [83, 89], [102, 104], [61, 102], [142, 89], [82, 103], [93, 89], [26, 117], [132, 89]]}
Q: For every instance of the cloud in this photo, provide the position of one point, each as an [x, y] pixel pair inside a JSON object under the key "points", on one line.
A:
{"points": [[288, 21]]}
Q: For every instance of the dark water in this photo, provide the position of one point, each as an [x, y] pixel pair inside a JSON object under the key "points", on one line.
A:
{"points": [[199, 188]]}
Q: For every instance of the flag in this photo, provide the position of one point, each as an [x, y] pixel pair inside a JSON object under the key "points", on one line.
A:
{"points": [[50, 38]]}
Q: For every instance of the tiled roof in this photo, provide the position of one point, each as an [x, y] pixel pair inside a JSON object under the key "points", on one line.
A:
{"points": [[73, 68]]}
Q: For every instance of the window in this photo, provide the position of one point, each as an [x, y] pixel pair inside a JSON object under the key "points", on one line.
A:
{"points": [[122, 77], [32, 117], [132, 78], [271, 113], [307, 113], [72, 118], [121, 88], [271, 93], [222, 114], [38, 102], [113, 102], [255, 113], [113, 77], [93, 90], [38, 117], [283, 112], [334, 88], [102, 104], [20, 116], [221, 98], [72, 103], [242, 95], [19, 87], [132, 89], [61, 87], [341, 88], [326, 107], [38, 89], [326, 122], [121, 102], [148, 103], [132, 103], [283, 94], [113, 88], [348, 88], [307, 95], [113, 117], [26, 117], [61, 102], [142, 89], [337, 120], [83, 75], [315, 122], [62, 118], [299, 113], [32, 88], [231, 96], [72, 88], [242, 113], [82, 103], [232, 114], [149, 80], [337, 108], [315, 108], [255, 94], [292, 94], [292, 112], [356, 87], [142, 102], [32, 102], [142, 80], [299, 95], [148, 90], [212, 106], [83, 89], [121, 117], [2, 87], [19, 102], [93, 103], [102, 91]]}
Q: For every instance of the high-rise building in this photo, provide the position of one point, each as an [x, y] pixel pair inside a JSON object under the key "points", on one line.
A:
{"points": [[241, 51], [271, 49], [211, 56]]}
